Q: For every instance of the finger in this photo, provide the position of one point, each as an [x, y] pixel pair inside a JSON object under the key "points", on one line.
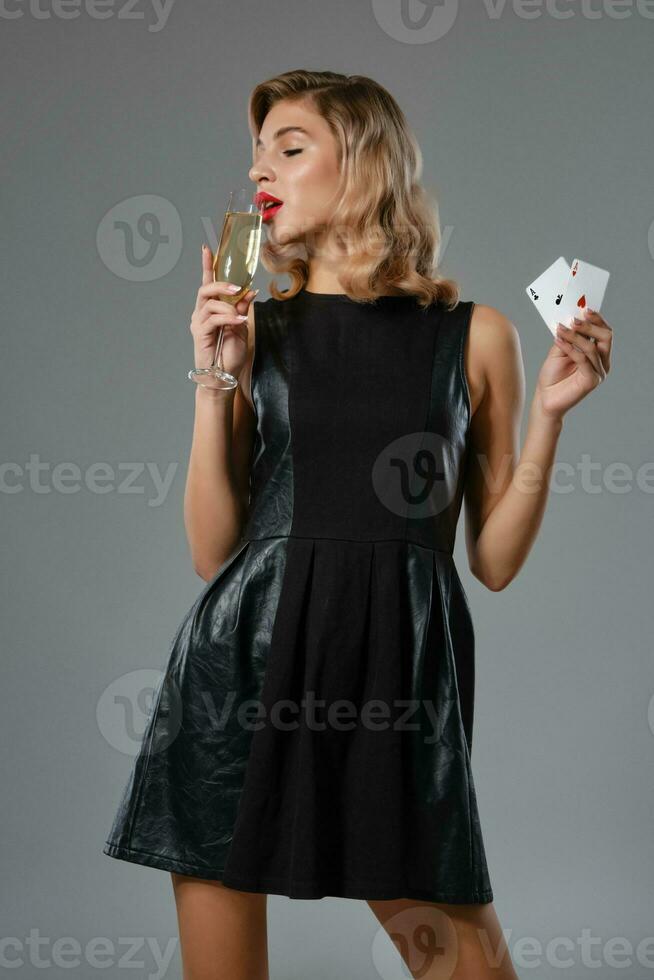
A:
{"points": [[601, 338], [598, 351], [581, 326], [586, 346], [223, 306], [222, 319], [207, 265], [580, 331], [244, 302], [219, 288], [585, 366], [601, 328], [595, 317], [576, 332], [604, 339], [220, 306]]}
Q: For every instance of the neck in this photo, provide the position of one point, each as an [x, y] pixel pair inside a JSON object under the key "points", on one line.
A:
{"points": [[323, 281]]}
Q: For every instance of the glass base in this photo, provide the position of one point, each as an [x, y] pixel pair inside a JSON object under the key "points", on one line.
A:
{"points": [[212, 377]]}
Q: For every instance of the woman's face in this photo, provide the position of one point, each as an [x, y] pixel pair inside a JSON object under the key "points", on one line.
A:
{"points": [[298, 167]]}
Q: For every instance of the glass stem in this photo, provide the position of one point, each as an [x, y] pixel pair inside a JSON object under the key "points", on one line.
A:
{"points": [[217, 357], [218, 354]]}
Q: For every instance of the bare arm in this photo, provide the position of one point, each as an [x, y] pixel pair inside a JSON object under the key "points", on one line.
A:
{"points": [[506, 490], [216, 496]]}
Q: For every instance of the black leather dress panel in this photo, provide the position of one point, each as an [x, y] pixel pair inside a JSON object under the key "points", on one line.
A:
{"points": [[342, 615]]}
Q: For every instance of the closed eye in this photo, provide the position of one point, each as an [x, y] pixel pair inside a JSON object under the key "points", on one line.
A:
{"points": [[291, 152]]}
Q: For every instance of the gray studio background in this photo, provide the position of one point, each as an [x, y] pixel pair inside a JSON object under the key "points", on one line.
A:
{"points": [[535, 124]]}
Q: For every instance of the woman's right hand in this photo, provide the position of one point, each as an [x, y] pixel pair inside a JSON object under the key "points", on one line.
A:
{"points": [[211, 313]]}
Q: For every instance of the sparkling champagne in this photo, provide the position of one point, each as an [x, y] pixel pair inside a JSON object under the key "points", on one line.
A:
{"points": [[238, 251], [235, 262]]}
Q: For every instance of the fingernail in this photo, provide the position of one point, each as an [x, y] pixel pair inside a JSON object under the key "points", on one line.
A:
{"points": [[203, 248], [242, 316], [255, 293], [233, 288]]}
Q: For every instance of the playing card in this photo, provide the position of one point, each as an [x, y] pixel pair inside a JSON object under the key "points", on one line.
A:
{"points": [[584, 290], [546, 292]]}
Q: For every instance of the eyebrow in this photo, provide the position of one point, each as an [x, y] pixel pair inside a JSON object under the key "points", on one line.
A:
{"points": [[284, 129]]}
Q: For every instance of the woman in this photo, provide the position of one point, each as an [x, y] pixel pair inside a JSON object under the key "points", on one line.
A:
{"points": [[321, 506]]}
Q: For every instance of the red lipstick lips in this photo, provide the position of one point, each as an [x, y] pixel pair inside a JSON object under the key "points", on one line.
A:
{"points": [[270, 204]]}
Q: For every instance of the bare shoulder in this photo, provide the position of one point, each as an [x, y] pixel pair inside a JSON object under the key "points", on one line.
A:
{"points": [[493, 356], [245, 381]]}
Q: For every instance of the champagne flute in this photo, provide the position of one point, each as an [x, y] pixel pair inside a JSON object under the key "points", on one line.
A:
{"points": [[235, 261]]}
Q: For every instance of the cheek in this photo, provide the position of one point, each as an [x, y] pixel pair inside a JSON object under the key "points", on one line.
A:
{"points": [[311, 194], [318, 193], [318, 178]]}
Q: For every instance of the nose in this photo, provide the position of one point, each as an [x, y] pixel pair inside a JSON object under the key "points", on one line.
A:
{"points": [[256, 172], [260, 169]]}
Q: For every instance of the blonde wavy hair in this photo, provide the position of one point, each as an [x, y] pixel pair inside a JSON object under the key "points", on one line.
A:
{"points": [[382, 202]]}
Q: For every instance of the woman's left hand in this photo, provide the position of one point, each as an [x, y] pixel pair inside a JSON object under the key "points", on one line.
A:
{"points": [[577, 363]]}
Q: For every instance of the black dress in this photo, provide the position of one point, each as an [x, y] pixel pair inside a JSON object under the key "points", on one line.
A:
{"points": [[312, 729]]}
